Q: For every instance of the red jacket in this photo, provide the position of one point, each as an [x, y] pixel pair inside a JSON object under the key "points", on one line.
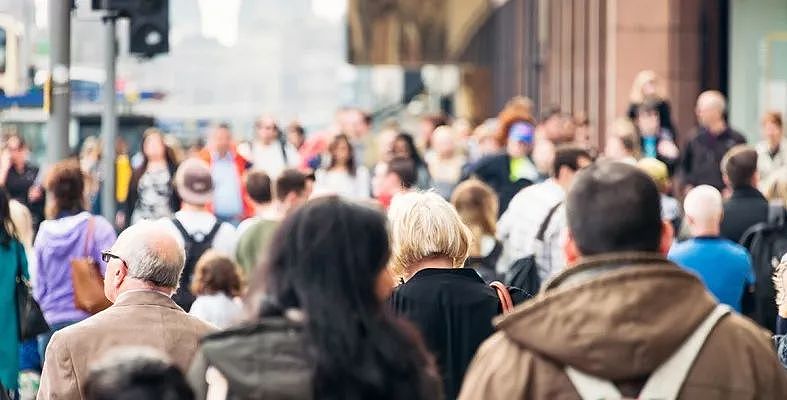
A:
{"points": [[241, 165]]}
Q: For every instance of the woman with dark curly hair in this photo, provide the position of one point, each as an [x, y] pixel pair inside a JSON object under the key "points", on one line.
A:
{"points": [[69, 233]]}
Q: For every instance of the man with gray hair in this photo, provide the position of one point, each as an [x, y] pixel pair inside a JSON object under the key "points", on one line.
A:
{"points": [[143, 271], [702, 157], [722, 265]]}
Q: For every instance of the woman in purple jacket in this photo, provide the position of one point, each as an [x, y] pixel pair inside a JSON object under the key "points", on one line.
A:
{"points": [[62, 238]]}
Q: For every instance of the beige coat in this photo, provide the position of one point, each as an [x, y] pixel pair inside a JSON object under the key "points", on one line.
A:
{"points": [[142, 318], [619, 318]]}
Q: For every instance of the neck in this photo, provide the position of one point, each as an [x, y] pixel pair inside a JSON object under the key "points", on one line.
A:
{"points": [[265, 210], [773, 143], [192, 207], [717, 127], [266, 141], [156, 161], [563, 182], [438, 262], [706, 231], [133, 284], [19, 165]]}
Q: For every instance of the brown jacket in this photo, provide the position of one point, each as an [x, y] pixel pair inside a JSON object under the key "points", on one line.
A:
{"points": [[142, 318], [619, 317]]}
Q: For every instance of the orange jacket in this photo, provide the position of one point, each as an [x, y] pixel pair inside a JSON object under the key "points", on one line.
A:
{"points": [[241, 165]]}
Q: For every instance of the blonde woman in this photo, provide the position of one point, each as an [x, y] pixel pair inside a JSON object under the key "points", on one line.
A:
{"points": [[451, 305], [623, 143], [646, 88], [477, 206]]}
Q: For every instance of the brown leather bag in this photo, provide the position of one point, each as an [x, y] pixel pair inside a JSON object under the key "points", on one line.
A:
{"points": [[86, 278], [505, 297]]}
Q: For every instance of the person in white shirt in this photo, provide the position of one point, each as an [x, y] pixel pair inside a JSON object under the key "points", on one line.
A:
{"points": [[217, 285], [519, 224], [343, 176], [772, 150], [270, 152]]}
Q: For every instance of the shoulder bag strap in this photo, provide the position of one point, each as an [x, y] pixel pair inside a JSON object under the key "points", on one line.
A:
{"points": [[666, 380], [503, 295], [545, 224], [91, 227]]}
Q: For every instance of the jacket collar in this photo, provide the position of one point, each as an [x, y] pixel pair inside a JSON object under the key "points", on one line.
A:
{"points": [[459, 273], [593, 266], [145, 298], [746, 192]]}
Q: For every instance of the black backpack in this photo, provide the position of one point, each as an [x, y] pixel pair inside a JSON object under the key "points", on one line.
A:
{"points": [[196, 245], [767, 243], [523, 274]]}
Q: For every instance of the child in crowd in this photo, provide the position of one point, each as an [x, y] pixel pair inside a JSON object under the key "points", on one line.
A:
{"points": [[217, 285]]}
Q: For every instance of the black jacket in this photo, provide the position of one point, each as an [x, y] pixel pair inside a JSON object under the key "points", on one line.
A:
{"points": [[701, 162], [744, 209], [495, 171], [453, 309]]}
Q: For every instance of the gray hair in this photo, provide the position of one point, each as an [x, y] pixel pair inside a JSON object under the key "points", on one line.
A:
{"points": [[152, 255]]}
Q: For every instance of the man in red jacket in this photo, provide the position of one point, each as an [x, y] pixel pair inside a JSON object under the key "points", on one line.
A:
{"points": [[230, 202]]}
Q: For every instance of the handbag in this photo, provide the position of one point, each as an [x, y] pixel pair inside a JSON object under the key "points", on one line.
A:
{"points": [[506, 304], [87, 280], [31, 319]]}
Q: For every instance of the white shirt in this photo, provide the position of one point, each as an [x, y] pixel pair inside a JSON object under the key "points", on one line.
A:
{"points": [[520, 222], [202, 221], [343, 184], [217, 309], [269, 158]]}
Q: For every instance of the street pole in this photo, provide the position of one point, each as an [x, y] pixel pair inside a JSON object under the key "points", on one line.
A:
{"points": [[109, 121], [59, 62]]}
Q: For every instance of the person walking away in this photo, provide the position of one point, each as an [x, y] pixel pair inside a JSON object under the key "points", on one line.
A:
{"points": [[70, 232], [271, 152], [19, 177], [196, 228], [589, 319], [529, 209], [229, 202], [319, 299], [445, 161], [217, 285], [723, 266], [343, 176], [143, 270], [392, 178], [14, 265], [292, 191], [512, 171], [746, 206], [451, 305], [703, 153], [645, 89], [260, 191], [476, 204], [656, 141], [670, 206], [772, 150], [151, 193]]}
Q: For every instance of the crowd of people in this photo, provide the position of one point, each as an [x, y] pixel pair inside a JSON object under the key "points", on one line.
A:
{"points": [[510, 260]]}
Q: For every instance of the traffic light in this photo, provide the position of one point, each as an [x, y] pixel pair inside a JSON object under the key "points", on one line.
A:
{"points": [[149, 28]]}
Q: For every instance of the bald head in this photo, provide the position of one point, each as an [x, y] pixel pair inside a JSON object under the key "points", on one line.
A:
{"points": [[151, 254], [704, 209]]}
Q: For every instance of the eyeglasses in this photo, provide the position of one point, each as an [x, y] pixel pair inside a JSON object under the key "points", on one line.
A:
{"points": [[106, 256]]}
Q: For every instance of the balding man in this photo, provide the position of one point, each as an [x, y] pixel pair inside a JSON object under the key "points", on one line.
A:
{"points": [[724, 266], [702, 156], [143, 270]]}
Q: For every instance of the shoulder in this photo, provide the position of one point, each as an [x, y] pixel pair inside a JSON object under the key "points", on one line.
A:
{"points": [[737, 251], [680, 249], [102, 225]]}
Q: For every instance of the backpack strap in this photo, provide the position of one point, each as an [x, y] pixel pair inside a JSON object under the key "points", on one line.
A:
{"points": [[503, 295], [776, 215], [189, 237], [181, 229], [213, 231], [666, 380]]}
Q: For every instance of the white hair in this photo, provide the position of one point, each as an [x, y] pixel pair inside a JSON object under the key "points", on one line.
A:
{"points": [[704, 205], [712, 99], [152, 255]]}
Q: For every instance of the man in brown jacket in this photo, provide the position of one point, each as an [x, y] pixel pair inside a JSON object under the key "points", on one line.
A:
{"points": [[143, 271], [620, 311]]}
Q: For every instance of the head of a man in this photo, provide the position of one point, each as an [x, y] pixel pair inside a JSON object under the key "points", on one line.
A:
{"points": [[704, 209], [521, 136], [266, 129], [221, 139], [614, 207], [772, 129], [259, 188], [143, 257], [194, 183], [17, 148], [711, 106], [393, 177], [569, 159], [292, 189], [739, 167]]}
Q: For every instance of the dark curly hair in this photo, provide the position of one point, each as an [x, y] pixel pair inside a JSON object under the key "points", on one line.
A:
{"points": [[215, 273], [66, 186]]}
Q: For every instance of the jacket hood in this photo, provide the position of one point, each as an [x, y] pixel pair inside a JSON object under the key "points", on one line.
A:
{"points": [[263, 359], [617, 317], [65, 231]]}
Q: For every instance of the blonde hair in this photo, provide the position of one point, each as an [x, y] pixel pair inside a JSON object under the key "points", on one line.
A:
{"points": [[23, 223], [776, 189], [424, 226], [477, 206], [640, 80], [625, 130]]}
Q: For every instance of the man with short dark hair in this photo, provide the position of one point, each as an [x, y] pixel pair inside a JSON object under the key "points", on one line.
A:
{"points": [[391, 178], [622, 321], [746, 206], [529, 209], [292, 189]]}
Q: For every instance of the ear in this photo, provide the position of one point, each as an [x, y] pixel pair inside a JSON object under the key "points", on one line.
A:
{"points": [[571, 250], [667, 237], [120, 275]]}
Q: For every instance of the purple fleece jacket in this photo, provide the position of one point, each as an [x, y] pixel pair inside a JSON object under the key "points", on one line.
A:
{"points": [[58, 242]]}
